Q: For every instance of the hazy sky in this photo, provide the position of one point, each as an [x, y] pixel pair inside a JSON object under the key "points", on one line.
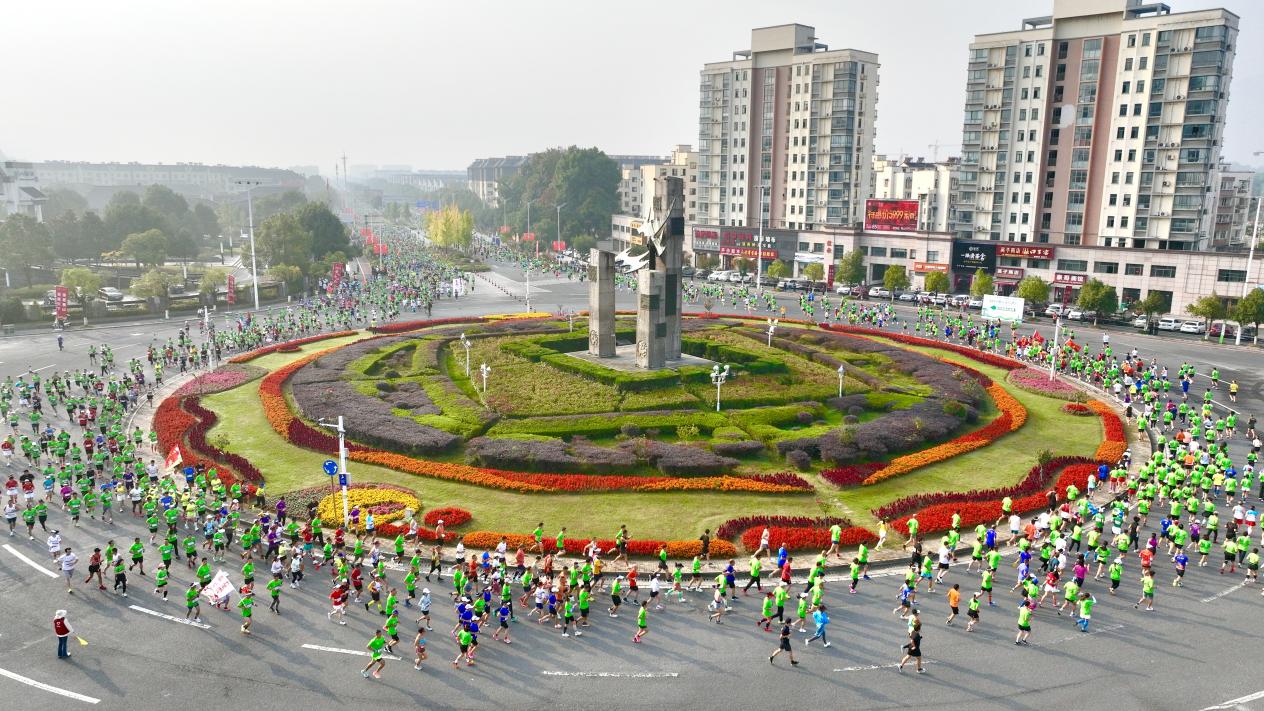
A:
{"points": [[436, 84]]}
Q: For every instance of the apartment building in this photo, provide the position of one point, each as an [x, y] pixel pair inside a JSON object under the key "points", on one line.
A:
{"points": [[1099, 125], [484, 175], [189, 179], [20, 192], [786, 133], [932, 185], [1234, 212]]}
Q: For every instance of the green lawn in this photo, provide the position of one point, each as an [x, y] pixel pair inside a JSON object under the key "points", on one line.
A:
{"points": [[244, 429]]}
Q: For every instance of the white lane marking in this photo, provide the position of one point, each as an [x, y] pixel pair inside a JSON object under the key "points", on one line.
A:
{"points": [[1236, 703], [871, 667], [46, 687], [1097, 630], [339, 650], [36, 370], [1221, 594], [173, 618], [615, 675], [22, 557]]}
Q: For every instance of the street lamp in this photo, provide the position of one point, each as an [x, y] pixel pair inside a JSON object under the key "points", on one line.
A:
{"points": [[559, 222], [342, 462], [485, 369], [772, 327], [760, 241], [250, 208], [718, 377], [466, 342], [1250, 259], [842, 371]]}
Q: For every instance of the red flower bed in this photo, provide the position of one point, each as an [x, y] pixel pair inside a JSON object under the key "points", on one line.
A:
{"points": [[734, 526], [851, 474], [1038, 382], [939, 517], [1077, 408], [405, 326], [1115, 441], [275, 347], [197, 439], [450, 515], [644, 547], [1034, 482], [781, 479], [810, 539]]}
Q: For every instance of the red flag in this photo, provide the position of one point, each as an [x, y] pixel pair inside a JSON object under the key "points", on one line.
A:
{"points": [[173, 457], [231, 296], [61, 297]]}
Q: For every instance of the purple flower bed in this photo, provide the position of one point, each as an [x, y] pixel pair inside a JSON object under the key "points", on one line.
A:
{"points": [[1038, 382], [225, 377], [783, 478]]}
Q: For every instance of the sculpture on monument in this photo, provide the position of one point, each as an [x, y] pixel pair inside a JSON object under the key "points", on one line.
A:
{"points": [[658, 308]]}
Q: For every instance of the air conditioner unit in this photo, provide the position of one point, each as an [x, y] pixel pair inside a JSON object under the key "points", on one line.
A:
{"points": [[1167, 184], [1180, 97], [1186, 49]]}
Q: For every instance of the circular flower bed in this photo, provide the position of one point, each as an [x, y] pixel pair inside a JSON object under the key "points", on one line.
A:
{"points": [[386, 504], [451, 516], [1038, 382], [1077, 408]]}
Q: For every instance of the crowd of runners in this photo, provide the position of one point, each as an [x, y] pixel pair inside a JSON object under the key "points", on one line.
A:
{"points": [[73, 477]]}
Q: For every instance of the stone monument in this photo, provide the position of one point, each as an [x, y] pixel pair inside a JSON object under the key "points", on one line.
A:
{"points": [[601, 341]]}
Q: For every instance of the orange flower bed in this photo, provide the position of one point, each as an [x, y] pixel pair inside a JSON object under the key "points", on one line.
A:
{"points": [[1115, 440], [1013, 415]]}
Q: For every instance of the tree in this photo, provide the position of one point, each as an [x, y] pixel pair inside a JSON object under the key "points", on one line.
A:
{"points": [[981, 284], [705, 261], [288, 273], [896, 278], [148, 248], [24, 243], [328, 232], [851, 268], [92, 235], [743, 264], [281, 239], [1210, 307], [777, 269], [451, 227], [275, 204], [81, 282], [204, 222], [182, 245], [1250, 310], [581, 243], [125, 219], [1099, 298], [1153, 303], [66, 235], [166, 202], [936, 282], [153, 284], [814, 272], [586, 180], [61, 201], [212, 279], [1033, 289]]}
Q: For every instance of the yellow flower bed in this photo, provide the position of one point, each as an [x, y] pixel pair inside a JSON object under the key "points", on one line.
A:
{"points": [[330, 507]]}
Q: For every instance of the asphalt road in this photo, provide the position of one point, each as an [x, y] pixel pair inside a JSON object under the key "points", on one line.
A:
{"points": [[1195, 652]]}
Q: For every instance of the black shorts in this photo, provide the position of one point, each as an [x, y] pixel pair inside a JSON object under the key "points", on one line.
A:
{"points": [[653, 594], [954, 610], [785, 644], [616, 600], [93, 569], [972, 614], [504, 624]]}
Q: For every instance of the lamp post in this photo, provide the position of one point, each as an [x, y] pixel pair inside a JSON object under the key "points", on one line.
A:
{"points": [[772, 327], [250, 210], [342, 463], [559, 222], [466, 342], [759, 244], [718, 377], [842, 371], [1250, 259], [485, 369]]}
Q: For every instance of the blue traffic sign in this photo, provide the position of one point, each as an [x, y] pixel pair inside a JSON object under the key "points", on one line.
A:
{"points": [[331, 467], [342, 479]]}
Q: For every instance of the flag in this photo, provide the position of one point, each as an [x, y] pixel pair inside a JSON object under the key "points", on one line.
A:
{"points": [[61, 296], [231, 295], [174, 457]]}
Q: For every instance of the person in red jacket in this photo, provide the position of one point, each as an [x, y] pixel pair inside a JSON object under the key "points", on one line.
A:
{"points": [[63, 630]]}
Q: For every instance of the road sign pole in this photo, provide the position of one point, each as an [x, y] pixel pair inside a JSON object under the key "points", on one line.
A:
{"points": [[342, 471]]}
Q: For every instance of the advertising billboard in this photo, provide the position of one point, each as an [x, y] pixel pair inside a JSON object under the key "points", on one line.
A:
{"points": [[891, 215], [1004, 308], [1024, 250], [967, 257]]}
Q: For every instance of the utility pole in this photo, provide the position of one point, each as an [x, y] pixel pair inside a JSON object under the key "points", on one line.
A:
{"points": [[250, 208]]}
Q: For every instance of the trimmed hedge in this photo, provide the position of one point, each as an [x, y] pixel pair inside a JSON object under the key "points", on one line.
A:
{"points": [[622, 380], [607, 425], [749, 361]]}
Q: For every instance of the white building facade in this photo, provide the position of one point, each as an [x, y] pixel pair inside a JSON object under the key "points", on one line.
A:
{"points": [[931, 184]]}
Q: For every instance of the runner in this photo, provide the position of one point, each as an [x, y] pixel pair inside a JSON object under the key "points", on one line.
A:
{"points": [[783, 645], [375, 646]]}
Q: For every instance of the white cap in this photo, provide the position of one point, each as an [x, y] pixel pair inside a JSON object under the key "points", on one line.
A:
{"points": [[425, 591], [59, 614]]}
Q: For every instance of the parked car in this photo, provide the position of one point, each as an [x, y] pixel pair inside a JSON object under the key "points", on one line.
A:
{"points": [[1230, 330], [880, 292], [975, 303], [1054, 310], [959, 300], [1168, 323], [1141, 322], [843, 289], [766, 280], [700, 274], [686, 271], [738, 277], [1077, 314], [907, 296], [1193, 326], [109, 293], [939, 299], [719, 275], [787, 285]]}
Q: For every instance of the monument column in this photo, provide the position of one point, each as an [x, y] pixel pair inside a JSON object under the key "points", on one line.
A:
{"points": [[601, 303], [651, 327]]}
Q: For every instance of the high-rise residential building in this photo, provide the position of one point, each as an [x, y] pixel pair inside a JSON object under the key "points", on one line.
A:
{"points": [[931, 184], [189, 179], [636, 185], [1234, 210], [484, 175], [786, 127], [1099, 125]]}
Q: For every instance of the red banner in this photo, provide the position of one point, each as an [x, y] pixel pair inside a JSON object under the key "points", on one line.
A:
{"points": [[1011, 273], [364, 232], [829, 277], [337, 268], [379, 249], [1070, 279], [749, 252], [559, 245], [504, 229], [891, 215], [924, 267], [231, 296], [370, 240], [1024, 250], [61, 297], [528, 236]]}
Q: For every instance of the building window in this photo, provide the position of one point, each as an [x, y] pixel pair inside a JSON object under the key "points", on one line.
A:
{"points": [[877, 251], [1106, 267], [1134, 270], [1231, 275], [1072, 265], [1162, 271], [897, 253], [1039, 263]]}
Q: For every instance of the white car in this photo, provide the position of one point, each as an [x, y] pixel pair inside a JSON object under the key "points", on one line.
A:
{"points": [[1080, 314], [735, 277], [720, 275], [1054, 310], [843, 289], [1140, 322], [1193, 327], [939, 300], [975, 303], [907, 296]]}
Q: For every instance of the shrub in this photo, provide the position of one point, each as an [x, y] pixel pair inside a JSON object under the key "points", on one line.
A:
{"points": [[550, 455], [384, 386], [798, 459], [450, 515], [685, 433], [225, 377], [679, 460], [1077, 408], [743, 448]]}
